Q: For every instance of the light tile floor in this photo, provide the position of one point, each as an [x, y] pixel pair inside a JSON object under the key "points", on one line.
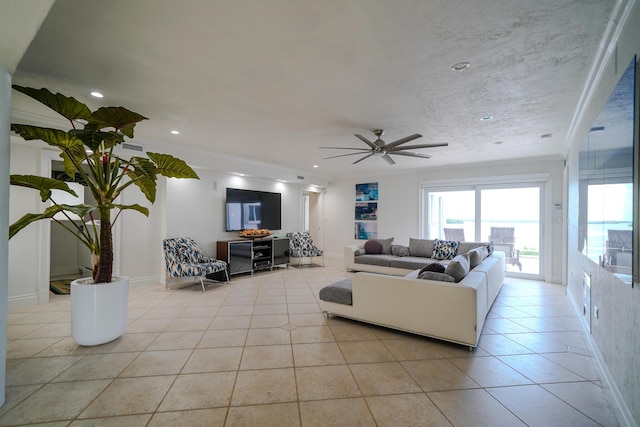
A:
{"points": [[258, 352]]}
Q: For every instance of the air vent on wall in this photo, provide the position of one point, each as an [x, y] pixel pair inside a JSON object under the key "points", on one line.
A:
{"points": [[300, 177], [132, 147]]}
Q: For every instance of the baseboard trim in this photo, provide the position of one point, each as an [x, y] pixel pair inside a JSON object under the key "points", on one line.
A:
{"points": [[144, 281], [622, 412], [26, 300]]}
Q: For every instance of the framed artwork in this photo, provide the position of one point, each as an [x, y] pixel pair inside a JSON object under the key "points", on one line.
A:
{"points": [[366, 211], [366, 230], [367, 192]]}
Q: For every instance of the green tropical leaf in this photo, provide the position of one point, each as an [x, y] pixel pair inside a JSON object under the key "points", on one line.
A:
{"points": [[80, 210], [55, 137], [42, 184], [172, 167], [98, 140], [136, 207], [70, 108], [119, 118], [144, 176]]}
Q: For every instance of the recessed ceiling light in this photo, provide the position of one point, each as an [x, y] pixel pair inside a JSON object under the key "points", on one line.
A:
{"points": [[97, 94], [460, 66], [315, 166], [486, 118], [175, 132]]}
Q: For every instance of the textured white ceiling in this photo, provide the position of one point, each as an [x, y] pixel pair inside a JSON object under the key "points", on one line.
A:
{"points": [[274, 80]]}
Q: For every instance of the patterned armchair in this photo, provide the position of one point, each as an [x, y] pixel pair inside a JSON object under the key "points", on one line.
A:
{"points": [[301, 246], [184, 258]]}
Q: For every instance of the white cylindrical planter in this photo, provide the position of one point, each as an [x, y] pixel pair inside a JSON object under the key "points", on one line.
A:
{"points": [[98, 311]]}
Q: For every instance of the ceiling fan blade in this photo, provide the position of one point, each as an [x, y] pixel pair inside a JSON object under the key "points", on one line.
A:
{"points": [[366, 141], [365, 157], [422, 156], [388, 159], [416, 147], [340, 155], [403, 140], [347, 148]]}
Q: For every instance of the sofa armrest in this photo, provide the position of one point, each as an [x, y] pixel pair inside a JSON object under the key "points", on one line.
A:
{"points": [[350, 255]]}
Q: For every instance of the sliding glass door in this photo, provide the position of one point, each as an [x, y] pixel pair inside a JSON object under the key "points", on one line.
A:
{"points": [[510, 218], [507, 214]]}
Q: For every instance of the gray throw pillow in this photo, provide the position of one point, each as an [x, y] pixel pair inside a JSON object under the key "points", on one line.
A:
{"points": [[399, 250], [421, 247], [359, 252], [458, 267], [433, 275], [476, 256], [386, 245]]}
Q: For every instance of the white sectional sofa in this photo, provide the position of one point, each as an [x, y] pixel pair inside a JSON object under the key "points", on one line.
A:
{"points": [[453, 312]]}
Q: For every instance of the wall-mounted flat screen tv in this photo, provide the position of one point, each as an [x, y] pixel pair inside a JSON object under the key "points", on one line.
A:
{"points": [[251, 210]]}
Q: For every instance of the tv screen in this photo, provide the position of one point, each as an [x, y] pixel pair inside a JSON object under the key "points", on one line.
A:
{"points": [[251, 210]]}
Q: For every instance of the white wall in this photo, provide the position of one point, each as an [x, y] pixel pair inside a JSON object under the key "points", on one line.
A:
{"points": [[25, 281], [616, 332], [137, 239], [399, 199], [196, 208]]}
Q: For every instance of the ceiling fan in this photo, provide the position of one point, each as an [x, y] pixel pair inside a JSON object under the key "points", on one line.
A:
{"points": [[384, 150]]}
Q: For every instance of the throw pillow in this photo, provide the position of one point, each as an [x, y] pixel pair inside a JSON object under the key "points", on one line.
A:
{"points": [[476, 256], [359, 252], [386, 245], [399, 250], [421, 247], [444, 249], [432, 275], [458, 267], [372, 246], [434, 266], [489, 248]]}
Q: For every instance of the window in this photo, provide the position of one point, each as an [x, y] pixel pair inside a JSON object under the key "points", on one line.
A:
{"points": [[507, 214]]}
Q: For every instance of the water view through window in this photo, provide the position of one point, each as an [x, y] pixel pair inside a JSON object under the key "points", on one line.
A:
{"points": [[510, 217]]}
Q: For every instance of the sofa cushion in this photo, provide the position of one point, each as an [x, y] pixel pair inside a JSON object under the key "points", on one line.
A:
{"points": [[372, 246], [433, 275], [458, 267], [382, 259], [444, 249], [339, 292], [434, 266], [407, 262], [399, 250], [476, 256], [421, 247]]}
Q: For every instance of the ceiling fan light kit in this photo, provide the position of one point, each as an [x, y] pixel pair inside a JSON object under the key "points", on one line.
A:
{"points": [[379, 148]]}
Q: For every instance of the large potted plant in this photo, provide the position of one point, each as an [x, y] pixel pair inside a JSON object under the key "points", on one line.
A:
{"points": [[98, 304]]}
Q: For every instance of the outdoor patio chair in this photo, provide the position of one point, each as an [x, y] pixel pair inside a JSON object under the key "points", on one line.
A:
{"points": [[504, 240], [619, 250], [456, 234]]}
